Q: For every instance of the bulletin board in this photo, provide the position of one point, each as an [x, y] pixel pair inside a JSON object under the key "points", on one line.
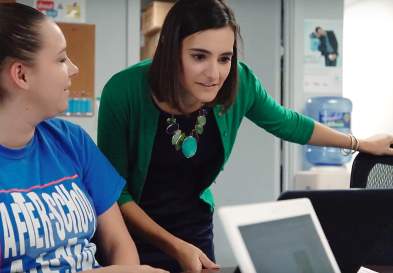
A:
{"points": [[81, 50]]}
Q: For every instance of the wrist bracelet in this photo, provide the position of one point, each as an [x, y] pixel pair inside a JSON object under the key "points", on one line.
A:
{"points": [[354, 146], [357, 144]]}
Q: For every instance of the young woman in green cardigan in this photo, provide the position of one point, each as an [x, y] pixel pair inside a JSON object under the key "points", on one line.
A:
{"points": [[169, 125]]}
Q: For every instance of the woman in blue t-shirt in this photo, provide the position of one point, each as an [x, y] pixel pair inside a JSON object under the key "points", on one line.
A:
{"points": [[57, 190]]}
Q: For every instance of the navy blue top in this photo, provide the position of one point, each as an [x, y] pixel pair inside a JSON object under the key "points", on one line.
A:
{"points": [[174, 182]]}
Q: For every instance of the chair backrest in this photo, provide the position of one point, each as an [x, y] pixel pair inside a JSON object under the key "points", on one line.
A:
{"points": [[376, 172], [370, 171]]}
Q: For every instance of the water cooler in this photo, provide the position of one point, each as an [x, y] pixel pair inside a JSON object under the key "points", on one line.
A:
{"points": [[328, 169]]}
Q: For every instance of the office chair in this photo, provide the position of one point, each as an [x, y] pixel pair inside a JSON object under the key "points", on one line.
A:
{"points": [[370, 171]]}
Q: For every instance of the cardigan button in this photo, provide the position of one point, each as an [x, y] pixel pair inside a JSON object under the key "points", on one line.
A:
{"points": [[225, 133]]}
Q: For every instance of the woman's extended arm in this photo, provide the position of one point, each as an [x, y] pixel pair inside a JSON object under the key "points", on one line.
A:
{"points": [[325, 136]]}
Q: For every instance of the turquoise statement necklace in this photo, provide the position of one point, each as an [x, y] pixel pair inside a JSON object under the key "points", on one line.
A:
{"points": [[187, 144]]}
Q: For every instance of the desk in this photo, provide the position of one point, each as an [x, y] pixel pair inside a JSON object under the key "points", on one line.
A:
{"points": [[380, 269]]}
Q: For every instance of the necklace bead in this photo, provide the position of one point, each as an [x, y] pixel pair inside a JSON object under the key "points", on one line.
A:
{"points": [[172, 128], [199, 129], [187, 144], [201, 120], [189, 147]]}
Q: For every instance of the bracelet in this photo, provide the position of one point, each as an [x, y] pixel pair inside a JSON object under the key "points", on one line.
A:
{"points": [[354, 146]]}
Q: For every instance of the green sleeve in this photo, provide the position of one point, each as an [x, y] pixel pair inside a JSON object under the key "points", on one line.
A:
{"points": [[125, 196], [265, 112], [112, 133]]}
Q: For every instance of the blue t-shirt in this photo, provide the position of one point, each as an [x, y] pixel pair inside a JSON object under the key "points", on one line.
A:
{"points": [[51, 192]]}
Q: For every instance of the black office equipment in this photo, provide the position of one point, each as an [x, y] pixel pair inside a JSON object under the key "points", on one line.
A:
{"points": [[353, 220], [370, 171]]}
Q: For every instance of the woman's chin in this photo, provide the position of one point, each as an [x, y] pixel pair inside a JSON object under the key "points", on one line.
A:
{"points": [[61, 109], [208, 99]]}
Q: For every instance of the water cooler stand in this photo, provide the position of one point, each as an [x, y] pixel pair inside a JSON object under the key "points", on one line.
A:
{"points": [[323, 177]]}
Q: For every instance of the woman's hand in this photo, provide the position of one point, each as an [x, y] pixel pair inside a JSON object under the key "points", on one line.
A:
{"points": [[192, 258], [380, 144]]}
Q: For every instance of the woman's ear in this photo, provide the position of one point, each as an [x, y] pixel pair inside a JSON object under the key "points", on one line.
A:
{"points": [[18, 73]]}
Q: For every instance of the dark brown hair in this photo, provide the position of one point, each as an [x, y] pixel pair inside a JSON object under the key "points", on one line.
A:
{"points": [[187, 17], [19, 34]]}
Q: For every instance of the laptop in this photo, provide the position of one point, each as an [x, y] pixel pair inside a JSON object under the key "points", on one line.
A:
{"points": [[353, 221], [278, 237]]}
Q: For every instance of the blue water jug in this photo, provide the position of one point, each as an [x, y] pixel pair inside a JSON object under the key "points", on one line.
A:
{"points": [[334, 112]]}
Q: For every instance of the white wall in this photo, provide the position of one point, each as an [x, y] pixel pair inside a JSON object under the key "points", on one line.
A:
{"points": [[252, 173], [111, 20], [368, 81], [296, 11], [117, 45]]}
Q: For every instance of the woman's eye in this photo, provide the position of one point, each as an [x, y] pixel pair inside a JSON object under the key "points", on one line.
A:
{"points": [[198, 57], [225, 59], [63, 60]]}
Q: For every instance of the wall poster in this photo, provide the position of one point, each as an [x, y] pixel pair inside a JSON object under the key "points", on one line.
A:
{"points": [[323, 56]]}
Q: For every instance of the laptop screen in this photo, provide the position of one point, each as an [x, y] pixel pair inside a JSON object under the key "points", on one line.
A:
{"points": [[286, 245]]}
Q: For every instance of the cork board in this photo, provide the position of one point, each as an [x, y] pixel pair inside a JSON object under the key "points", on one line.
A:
{"points": [[81, 50]]}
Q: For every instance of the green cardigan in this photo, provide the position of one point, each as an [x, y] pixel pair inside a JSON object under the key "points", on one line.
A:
{"points": [[128, 120]]}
